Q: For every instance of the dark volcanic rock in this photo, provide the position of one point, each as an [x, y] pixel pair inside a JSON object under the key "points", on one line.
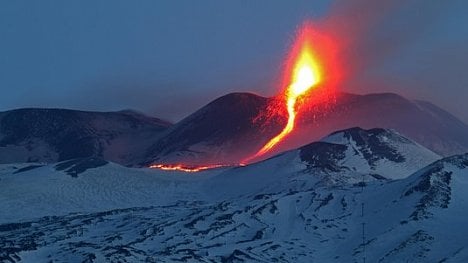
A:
{"points": [[226, 130], [434, 185], [371, 143], [323, 155]]}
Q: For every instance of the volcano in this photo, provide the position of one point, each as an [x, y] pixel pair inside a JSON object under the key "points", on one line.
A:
{"points": [[228, 129]]}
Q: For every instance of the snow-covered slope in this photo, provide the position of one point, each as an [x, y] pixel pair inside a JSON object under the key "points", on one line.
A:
{"points": [[312, 204], [416, 219], [343, 157], [378, 151], [50, 135], [87, 185], [98, 185]]}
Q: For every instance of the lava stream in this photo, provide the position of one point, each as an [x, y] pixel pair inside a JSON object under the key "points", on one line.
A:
{"points": [[184, 168]]}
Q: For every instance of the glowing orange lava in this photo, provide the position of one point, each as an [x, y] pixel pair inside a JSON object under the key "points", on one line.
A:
{"points": [[306, 74], [184, 168], [311, 74]]}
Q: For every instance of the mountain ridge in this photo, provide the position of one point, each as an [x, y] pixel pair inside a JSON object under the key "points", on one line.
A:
{"points": [[226, 130], [50, 135]]}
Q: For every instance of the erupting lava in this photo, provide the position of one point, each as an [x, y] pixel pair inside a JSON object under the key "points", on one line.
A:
{"points": [[311, 66], [306, 74]]}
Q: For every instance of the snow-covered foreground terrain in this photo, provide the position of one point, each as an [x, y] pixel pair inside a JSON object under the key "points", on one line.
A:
{"points": [[307, 205], [45, 191]]}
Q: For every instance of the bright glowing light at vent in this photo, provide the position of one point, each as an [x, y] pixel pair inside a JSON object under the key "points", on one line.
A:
{"points": [[306, 75]]}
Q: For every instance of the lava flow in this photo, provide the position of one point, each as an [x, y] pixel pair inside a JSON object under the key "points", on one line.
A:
{"points": [[305, 75], [183, 168]]}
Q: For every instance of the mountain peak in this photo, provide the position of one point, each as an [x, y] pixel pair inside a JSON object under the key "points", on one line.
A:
{"points": [[374, 144], [373, 150]]}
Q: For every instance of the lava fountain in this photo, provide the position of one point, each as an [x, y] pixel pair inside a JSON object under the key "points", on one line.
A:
{"points": [[306, 73]]}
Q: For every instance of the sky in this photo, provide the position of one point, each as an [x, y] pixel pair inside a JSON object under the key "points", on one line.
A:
{"points": [[168, 58]]}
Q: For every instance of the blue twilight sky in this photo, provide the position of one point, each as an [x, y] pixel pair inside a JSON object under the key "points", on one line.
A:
{"points": [[168, 58]]}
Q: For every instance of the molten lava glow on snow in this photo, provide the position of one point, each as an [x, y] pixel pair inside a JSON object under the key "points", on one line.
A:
{"points": [[306, 74], [183, 168]]}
